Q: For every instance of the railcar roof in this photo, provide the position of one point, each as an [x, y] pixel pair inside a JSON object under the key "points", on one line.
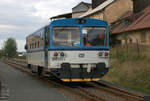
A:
{"points": [[72, 22], [34, 33]]}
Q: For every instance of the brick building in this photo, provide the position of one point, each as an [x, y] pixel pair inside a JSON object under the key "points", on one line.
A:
{"points": [[134, 25], [108, 10]]}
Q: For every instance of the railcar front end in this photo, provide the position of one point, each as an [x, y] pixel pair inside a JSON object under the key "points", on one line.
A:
{"points": [[78, 49]]}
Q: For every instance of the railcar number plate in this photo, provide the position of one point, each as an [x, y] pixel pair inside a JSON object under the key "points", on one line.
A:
{"points": [[58, 59]]}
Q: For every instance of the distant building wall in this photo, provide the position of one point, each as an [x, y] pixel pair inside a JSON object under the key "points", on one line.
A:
{"points": [[115, 10], [98, 15], [143, 37], [77, 14]]}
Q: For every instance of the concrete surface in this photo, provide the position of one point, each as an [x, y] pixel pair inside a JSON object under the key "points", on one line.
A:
{"points": [[23, 87]]}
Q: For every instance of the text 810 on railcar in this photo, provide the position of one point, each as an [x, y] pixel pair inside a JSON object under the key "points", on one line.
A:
{"points": [[72, 50]]}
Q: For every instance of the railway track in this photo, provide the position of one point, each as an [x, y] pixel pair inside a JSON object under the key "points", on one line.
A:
{"points": [[93, 91], [118, 92]]}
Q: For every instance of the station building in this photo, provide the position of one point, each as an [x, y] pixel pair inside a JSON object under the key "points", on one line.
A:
{"points": [[128, 18], [108, 10], [135, 26]]}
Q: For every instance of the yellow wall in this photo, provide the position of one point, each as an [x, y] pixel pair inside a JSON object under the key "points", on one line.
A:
{"points": [[98, 15], [113, 11], [134, 36], [117, 9], [77, 14]]}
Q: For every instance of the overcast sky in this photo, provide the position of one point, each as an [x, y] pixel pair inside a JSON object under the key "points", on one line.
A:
{"points": [[19, 18]]}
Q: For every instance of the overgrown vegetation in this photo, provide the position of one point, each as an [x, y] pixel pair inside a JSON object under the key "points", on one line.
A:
{"points": [[9, 49], [130, 68]]}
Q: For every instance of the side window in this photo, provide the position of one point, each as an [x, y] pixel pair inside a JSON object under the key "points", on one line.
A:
{"points": [[46, 36], [38, 44], [35, 45], [36, 41], [42, 39]]}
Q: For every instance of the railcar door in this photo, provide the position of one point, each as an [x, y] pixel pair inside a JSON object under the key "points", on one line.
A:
{"points": [[46, 43]]}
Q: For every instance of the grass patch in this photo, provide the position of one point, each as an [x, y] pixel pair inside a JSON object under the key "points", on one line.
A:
{"points": [[135, 88], [130, 69]]}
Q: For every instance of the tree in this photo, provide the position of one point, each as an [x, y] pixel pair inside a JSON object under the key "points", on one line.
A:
{"points": [[10, 48], [0, 53]]}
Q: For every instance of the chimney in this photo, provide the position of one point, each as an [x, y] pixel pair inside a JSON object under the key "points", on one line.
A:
{"points": [[96, 3], [139, 5]]}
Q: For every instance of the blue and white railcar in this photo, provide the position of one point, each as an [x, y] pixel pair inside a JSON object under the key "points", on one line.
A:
{"points": [[72, 50]]}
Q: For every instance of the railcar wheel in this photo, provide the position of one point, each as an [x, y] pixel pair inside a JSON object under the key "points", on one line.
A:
{"points": [[40, 69], [29, 66]]}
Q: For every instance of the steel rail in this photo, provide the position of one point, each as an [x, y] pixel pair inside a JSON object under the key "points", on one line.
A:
{"points": [[120, 93], [119, 89]]}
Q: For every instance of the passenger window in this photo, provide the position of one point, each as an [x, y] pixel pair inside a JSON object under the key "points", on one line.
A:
{"points": [[38, 44]]}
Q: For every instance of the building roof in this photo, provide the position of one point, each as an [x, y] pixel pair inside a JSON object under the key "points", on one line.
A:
{"points": [[66, 15], [99, 8], [133, 22], [81, 7], [85, 3]]}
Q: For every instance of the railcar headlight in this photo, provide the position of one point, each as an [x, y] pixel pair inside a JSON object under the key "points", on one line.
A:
{"points": [[106, 54], [62, 54], [81, 21], [100, 54], [55, 54]]}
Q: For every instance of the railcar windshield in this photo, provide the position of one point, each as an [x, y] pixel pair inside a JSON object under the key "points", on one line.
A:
{"points": [[66, 36], [94, 36]]}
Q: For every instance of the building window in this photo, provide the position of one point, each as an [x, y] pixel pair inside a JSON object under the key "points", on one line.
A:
{"points": [[143, 37], [130, 41]]}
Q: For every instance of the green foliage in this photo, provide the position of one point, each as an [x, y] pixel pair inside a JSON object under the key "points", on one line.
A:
{"points": [[124, 36], [122, 53], [130, 69], [10, 48], [118, 53], [0, 54]]}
